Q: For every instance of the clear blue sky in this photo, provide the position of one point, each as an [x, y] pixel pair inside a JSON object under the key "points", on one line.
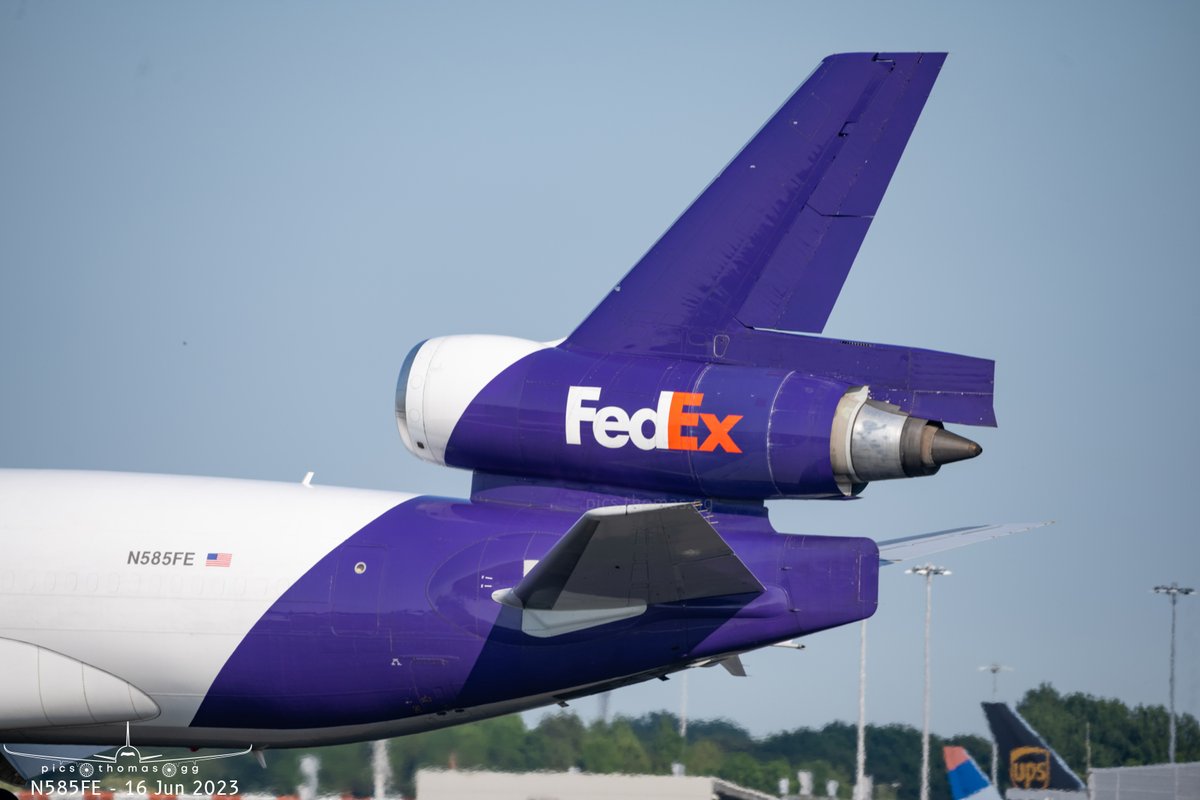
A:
{"points": [[225, 224]]}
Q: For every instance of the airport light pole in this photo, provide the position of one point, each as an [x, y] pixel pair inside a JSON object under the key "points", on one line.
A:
{"points": [[929, 571], [860, 754], [995, 669], [1173, 591], [381, 768], [682, 708]]}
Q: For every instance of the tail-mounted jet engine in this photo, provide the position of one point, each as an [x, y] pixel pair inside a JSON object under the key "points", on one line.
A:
{"points": [[873, 441], [514, 407]]}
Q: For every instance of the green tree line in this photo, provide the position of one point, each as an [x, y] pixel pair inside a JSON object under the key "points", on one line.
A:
{"points": [[1118, 736], [650, 744]]}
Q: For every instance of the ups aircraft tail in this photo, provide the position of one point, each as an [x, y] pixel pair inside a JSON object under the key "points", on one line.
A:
{"points": [[1024, 756]]}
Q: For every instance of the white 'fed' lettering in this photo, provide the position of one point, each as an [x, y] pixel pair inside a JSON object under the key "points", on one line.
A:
{"points": [[614, 427]]}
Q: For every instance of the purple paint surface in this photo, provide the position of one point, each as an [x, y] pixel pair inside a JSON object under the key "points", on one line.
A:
{"points": [[769, 243], [426, 636], [784, 388]]}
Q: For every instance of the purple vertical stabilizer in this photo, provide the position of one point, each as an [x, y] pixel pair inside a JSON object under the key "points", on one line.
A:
{"points": [[769, 243]]}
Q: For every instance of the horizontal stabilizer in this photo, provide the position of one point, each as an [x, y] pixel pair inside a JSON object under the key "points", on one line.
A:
{"points": [[926, 544], [616, 561]]}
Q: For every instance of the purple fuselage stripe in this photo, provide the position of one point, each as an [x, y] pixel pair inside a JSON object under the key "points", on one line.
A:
{"points": [[399, 620]]}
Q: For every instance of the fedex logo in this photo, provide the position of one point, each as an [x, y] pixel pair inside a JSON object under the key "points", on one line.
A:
{"points": [[613, 426]]}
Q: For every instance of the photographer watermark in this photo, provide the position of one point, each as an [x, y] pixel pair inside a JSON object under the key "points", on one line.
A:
{"points": [[133, 772]]}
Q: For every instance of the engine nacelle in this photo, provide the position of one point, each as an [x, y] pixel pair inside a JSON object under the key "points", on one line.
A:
{"points": [[673, 426], [439, 379], [873, 441]]}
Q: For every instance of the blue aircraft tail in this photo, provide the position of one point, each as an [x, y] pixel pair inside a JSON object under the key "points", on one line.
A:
{"points": [[966, 778]]}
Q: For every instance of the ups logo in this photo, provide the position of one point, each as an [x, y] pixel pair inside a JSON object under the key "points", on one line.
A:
{"points": [[1029, 767]]}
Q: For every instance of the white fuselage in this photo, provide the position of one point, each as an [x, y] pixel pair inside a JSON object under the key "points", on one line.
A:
{"points": [[109, 610]]}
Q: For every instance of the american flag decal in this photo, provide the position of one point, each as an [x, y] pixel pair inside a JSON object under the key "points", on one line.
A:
{"points": [[218, 559]]}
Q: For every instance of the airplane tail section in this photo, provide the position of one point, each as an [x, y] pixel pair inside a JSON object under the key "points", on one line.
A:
{"points": [[713, 314], [967, 781], [769, 243], [1030, 762]]}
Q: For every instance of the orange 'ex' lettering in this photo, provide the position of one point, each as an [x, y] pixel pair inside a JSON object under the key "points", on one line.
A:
{"points": [[679, 419], [718, 433], [718, 429]]}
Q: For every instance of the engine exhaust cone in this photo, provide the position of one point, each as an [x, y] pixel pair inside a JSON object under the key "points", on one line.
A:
{"points": [[949, 447]]}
